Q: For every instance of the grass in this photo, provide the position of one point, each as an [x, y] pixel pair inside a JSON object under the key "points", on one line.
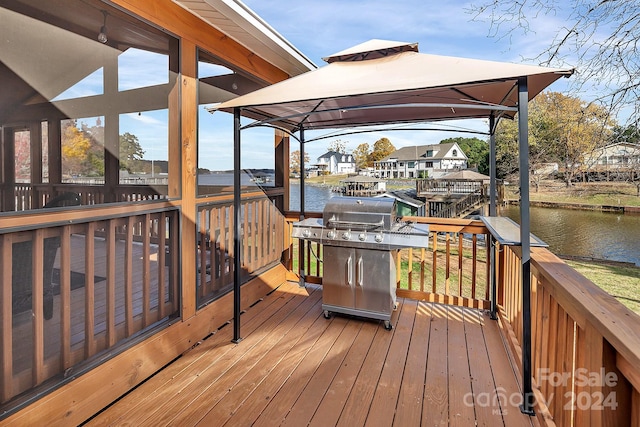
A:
{"points": [[590, 193], [620, 281]]}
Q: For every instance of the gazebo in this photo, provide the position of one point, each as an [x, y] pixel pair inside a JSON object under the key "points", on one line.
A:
{"points": [[386, 82]]}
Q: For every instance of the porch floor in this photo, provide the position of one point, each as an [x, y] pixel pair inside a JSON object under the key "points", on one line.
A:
{"points": [[440, 365]]}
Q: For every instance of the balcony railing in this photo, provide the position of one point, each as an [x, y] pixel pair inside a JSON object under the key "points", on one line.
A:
{"points": [[585, 344], [454, 270], [261, 234], [75, 287]]}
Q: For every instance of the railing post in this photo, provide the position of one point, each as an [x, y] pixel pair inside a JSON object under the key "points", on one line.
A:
{"points": [[494, 293], [523, 140], [237, 265], [301, 266]]}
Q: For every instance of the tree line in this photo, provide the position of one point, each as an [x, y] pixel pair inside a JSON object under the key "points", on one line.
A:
{"points": [[83, 150], [563, 130]]}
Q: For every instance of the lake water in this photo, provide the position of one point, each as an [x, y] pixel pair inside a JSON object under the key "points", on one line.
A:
{"points": [[600, 235], [594, 234]]}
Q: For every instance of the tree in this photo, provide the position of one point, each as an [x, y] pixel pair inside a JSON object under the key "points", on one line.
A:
{"points": [[22, 155], [562, 129], [381, 149], [338, 146], [75, 148], [95, 154], [361, 155], [82, 148], [476, 150], [629, 134], [600, 40], [576, 130], [130, 152], [295, 165]]}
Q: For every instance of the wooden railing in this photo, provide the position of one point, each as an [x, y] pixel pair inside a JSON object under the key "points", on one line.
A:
{"points": [[453, 270], [585, 344], [262, 231], [585, 352], [27, 197], [443, 186], [462, 207], [74, 287]]}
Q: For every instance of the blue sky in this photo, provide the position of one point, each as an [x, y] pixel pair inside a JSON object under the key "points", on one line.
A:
{"points": [[321, 28]]}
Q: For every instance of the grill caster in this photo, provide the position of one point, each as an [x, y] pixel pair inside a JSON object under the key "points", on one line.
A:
{"points": [[387, 325], [327, 314]]}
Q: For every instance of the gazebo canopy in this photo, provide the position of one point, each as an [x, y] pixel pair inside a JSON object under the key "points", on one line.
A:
{"points": [[383, 82], [465, 174]]}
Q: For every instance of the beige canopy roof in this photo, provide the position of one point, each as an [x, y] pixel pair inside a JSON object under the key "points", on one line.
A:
{"points": [[465, 174], [381, 82]]}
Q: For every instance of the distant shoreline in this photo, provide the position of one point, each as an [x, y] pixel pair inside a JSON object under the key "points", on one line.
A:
{"points": [[631, 210]]}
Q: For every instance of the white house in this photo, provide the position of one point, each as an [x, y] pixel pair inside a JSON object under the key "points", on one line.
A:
{"points": [[333, 162], [615, 156], [422, 161]]}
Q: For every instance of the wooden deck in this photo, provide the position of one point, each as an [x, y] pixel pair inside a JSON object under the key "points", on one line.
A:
{"points": [[440, 365]]}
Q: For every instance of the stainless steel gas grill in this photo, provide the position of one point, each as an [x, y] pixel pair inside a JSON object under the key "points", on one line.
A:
{"points": [[360, 238]]}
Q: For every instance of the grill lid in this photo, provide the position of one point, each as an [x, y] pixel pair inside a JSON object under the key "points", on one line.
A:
{"points": [[359, 213]]}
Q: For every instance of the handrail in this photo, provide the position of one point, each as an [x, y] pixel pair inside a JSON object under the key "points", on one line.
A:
{"points": [[262, 241], [118, 273], [462, 207], [585, 343]]}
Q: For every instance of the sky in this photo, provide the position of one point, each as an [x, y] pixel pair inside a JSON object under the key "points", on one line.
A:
{"points": [[318, 29], [321, 28]]}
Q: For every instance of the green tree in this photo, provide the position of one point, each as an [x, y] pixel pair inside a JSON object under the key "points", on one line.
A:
{"points": [[130, 152], [362, 156], [381, 149], [95, 154], [295, 163], [476, 150], [629, 133]]}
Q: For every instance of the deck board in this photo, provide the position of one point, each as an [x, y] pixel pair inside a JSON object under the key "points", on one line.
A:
{"points": [[293, 367], [412, 389]]}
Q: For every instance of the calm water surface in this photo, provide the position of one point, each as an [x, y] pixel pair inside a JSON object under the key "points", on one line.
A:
{"points": [[585, 233], [567, 232]]}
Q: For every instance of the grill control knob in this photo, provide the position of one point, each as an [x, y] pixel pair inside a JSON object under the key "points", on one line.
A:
{"points": [[346, 235], [362, 237], [331, 234], [378, 238], [306, 233]]}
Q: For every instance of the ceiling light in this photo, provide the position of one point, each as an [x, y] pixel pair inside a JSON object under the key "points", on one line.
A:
{"points": [[102, 36]]}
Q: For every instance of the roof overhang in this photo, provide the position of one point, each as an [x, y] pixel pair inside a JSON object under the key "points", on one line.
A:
{"points": [[241, 24]]}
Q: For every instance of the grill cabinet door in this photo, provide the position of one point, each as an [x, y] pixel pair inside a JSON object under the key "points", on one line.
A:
{"points": [[375, 285], [339, 276]]}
